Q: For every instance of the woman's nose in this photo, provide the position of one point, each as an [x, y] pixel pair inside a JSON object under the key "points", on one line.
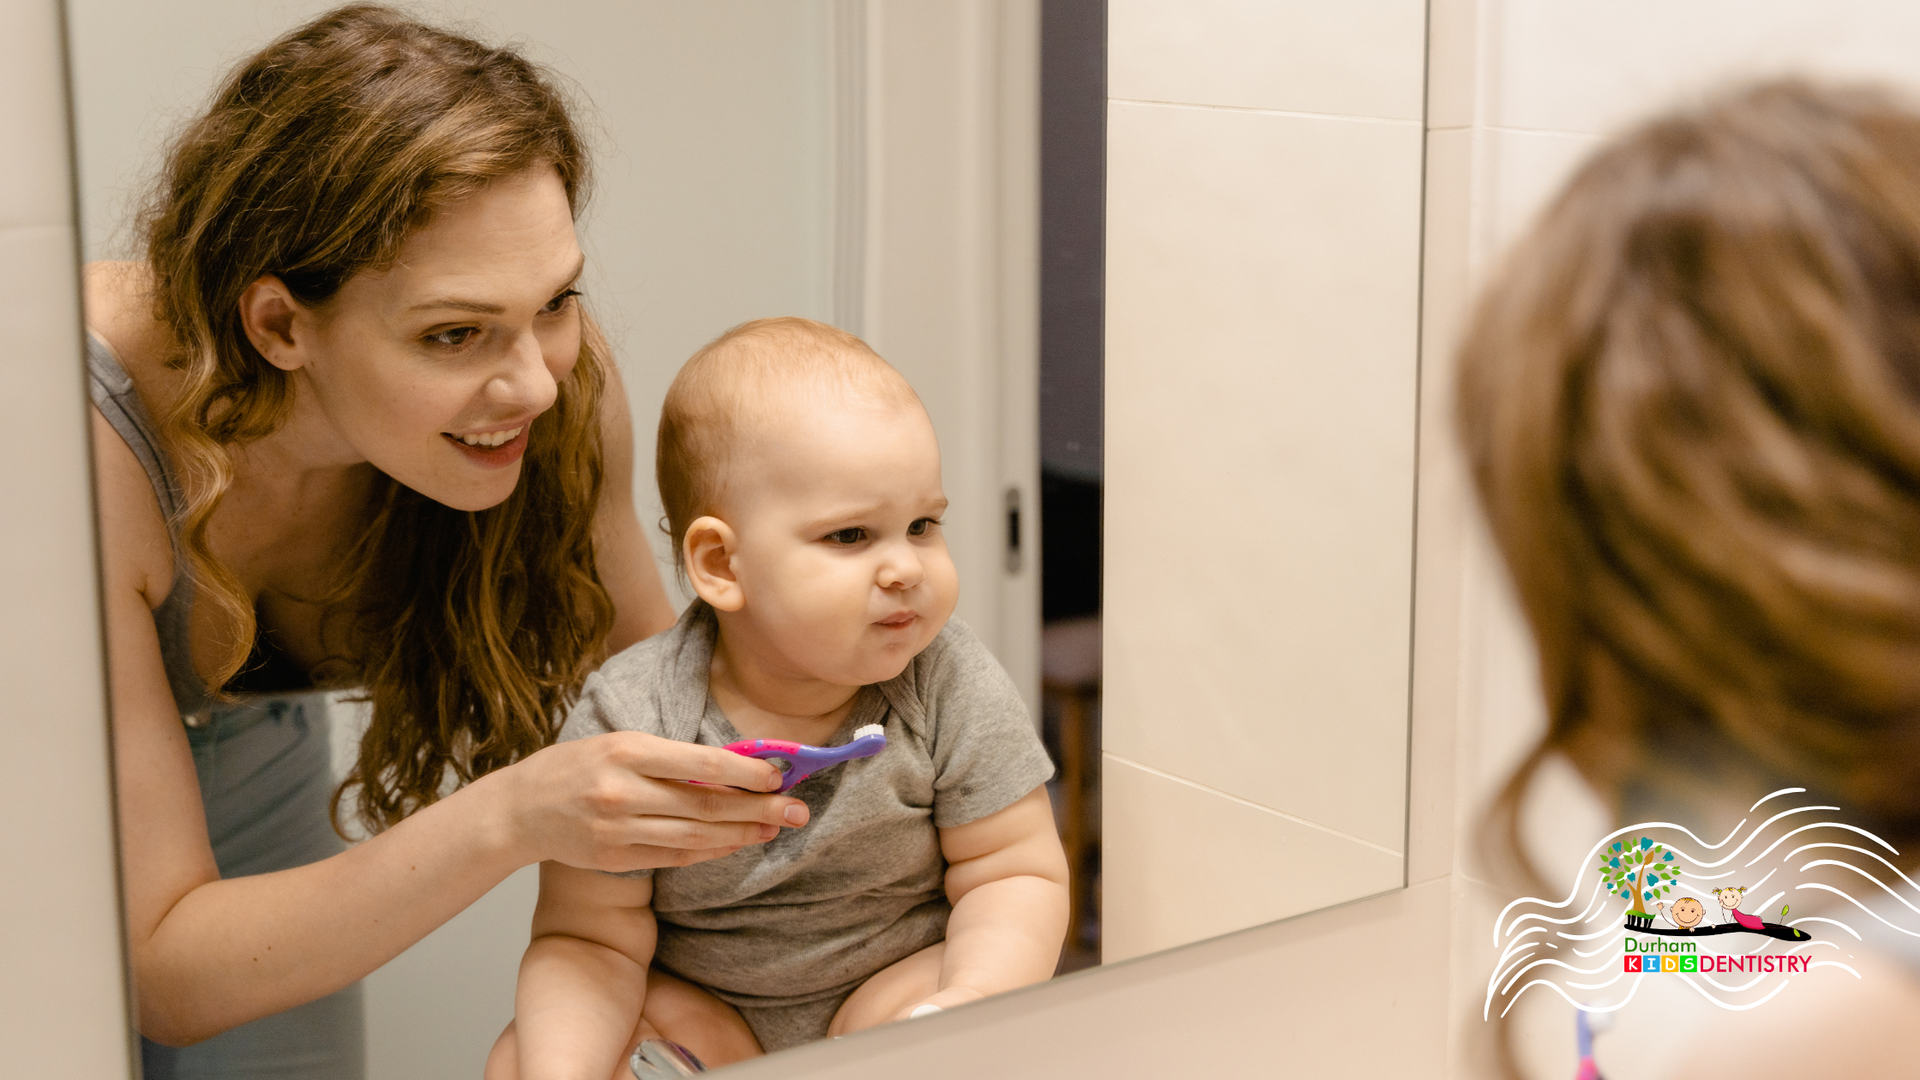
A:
{"points": [[524, 379]]}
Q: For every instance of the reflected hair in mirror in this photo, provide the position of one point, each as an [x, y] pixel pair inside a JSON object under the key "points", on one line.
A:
{"points": [[469, 632], [1692, 408]]}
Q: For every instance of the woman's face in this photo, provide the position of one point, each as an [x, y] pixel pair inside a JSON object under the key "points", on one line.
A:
{"points": [[433, 370]]}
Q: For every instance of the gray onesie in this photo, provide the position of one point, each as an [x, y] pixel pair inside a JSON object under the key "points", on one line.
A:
{"points": [[786, 930]]}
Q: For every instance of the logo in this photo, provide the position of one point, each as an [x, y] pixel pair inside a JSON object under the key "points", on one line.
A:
{"points": [[1655, 900]]}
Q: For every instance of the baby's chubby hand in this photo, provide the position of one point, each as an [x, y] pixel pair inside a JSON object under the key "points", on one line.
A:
{"points": [[945, 999]]}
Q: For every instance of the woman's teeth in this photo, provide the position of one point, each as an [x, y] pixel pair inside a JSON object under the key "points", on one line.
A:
{"points": [[490, 438]]}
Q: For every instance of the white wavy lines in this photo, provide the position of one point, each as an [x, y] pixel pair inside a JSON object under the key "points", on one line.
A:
{"points": [[1531, 932], [1849, 866], [1830, 922], [1821, 825], [1823, 887], [1592, 853], [1875, 856], [1582, 1006]]}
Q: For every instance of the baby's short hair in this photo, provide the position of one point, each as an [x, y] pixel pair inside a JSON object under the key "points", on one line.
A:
{"points": [[740, 377]]}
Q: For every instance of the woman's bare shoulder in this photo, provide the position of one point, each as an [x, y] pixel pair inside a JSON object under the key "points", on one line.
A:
{"points": [[136, 551], [119, 306]]}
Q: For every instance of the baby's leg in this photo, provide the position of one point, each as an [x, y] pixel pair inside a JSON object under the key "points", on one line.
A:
{"points": [[890, 990], [681, 1012], [676, 1010], [503, 1062]]}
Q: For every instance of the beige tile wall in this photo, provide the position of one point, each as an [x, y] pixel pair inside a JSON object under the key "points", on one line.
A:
{"points": [[62, 987], [1263, 276]]}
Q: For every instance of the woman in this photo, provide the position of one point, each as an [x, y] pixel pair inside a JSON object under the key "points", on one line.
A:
{"points": [[1691, 402], [354, 429]]}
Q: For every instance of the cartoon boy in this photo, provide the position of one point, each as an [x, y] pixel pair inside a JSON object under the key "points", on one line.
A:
{"points": [[1684, 913]]}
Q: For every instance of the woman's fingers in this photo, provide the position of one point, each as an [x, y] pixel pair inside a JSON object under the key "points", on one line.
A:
{"points": [[705, 802], [626, 796], [666, 759], [685, 834]]}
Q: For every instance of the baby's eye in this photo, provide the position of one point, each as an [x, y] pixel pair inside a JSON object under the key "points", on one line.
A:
{"points": [[847, 536], [453, 338], [559, 303], [921, 526]]}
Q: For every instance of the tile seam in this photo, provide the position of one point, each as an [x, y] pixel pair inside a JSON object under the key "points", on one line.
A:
{"points": [[1388, 120], [1230, 797]]}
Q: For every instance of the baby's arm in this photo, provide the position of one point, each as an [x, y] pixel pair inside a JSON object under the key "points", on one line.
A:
{"points": [[583, 981], [1007, 880]]}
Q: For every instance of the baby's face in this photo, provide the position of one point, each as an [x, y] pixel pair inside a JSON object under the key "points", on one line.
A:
{"points": [[1688, 912], [840, 558]]}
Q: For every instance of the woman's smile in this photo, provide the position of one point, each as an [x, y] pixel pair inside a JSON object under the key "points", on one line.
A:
{"points": [[493, 449]]}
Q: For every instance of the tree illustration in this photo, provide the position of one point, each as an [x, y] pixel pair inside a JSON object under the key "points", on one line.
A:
{"points": [[1639, 873]]}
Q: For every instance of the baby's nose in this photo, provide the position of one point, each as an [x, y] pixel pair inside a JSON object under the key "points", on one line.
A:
{"points": [[902, 570]]}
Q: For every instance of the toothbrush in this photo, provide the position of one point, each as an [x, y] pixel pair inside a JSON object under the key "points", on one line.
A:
{"points": [[799, 761]]}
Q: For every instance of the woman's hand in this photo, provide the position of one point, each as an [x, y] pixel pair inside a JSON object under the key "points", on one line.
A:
{"points": [[624, 801]]}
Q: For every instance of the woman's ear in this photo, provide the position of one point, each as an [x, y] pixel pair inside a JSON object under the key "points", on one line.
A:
{"points": [[269, 314], [707, 550]]}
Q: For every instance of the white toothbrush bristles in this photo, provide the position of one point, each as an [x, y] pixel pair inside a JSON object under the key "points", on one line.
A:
{"points": [[870, 729]]}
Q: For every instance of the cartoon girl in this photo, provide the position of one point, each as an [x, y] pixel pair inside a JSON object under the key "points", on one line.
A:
{"points": [[1730, 899]]}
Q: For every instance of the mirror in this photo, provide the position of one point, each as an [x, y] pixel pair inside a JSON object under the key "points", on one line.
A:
{"points": [[1207, 607], [1265, 166]]}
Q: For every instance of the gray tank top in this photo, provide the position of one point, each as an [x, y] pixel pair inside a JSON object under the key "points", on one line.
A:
{"points": [[113, 394]]}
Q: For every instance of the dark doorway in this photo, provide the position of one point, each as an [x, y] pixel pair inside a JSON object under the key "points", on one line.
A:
{"points": [[1073, 164]]}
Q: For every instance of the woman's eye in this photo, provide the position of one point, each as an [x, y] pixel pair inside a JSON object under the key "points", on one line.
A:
{"points": [[847, 536], [559, 303], [453, 338], [921, 527]]}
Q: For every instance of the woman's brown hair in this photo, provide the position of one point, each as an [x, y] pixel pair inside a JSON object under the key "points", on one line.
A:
{"points": [[469, 632], [1691, 402]]}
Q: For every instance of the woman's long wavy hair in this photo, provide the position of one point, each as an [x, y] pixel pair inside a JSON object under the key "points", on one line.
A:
{"points": [[1691, 403], [469, 632]]}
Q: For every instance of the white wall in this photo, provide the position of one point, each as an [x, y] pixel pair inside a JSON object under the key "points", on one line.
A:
{"points": [[951, 292], [62, 983], [1263, 262]]}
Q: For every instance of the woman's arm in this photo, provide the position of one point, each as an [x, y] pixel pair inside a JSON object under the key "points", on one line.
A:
{"points": [[583, 980], [209, 954], [1007, 880], [620, 548]]}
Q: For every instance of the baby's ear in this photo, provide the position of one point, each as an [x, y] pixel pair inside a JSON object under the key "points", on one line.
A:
{"points": [[707, 550]]}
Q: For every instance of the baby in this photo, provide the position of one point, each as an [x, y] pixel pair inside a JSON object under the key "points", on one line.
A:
{"points": [[801, 480]]}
